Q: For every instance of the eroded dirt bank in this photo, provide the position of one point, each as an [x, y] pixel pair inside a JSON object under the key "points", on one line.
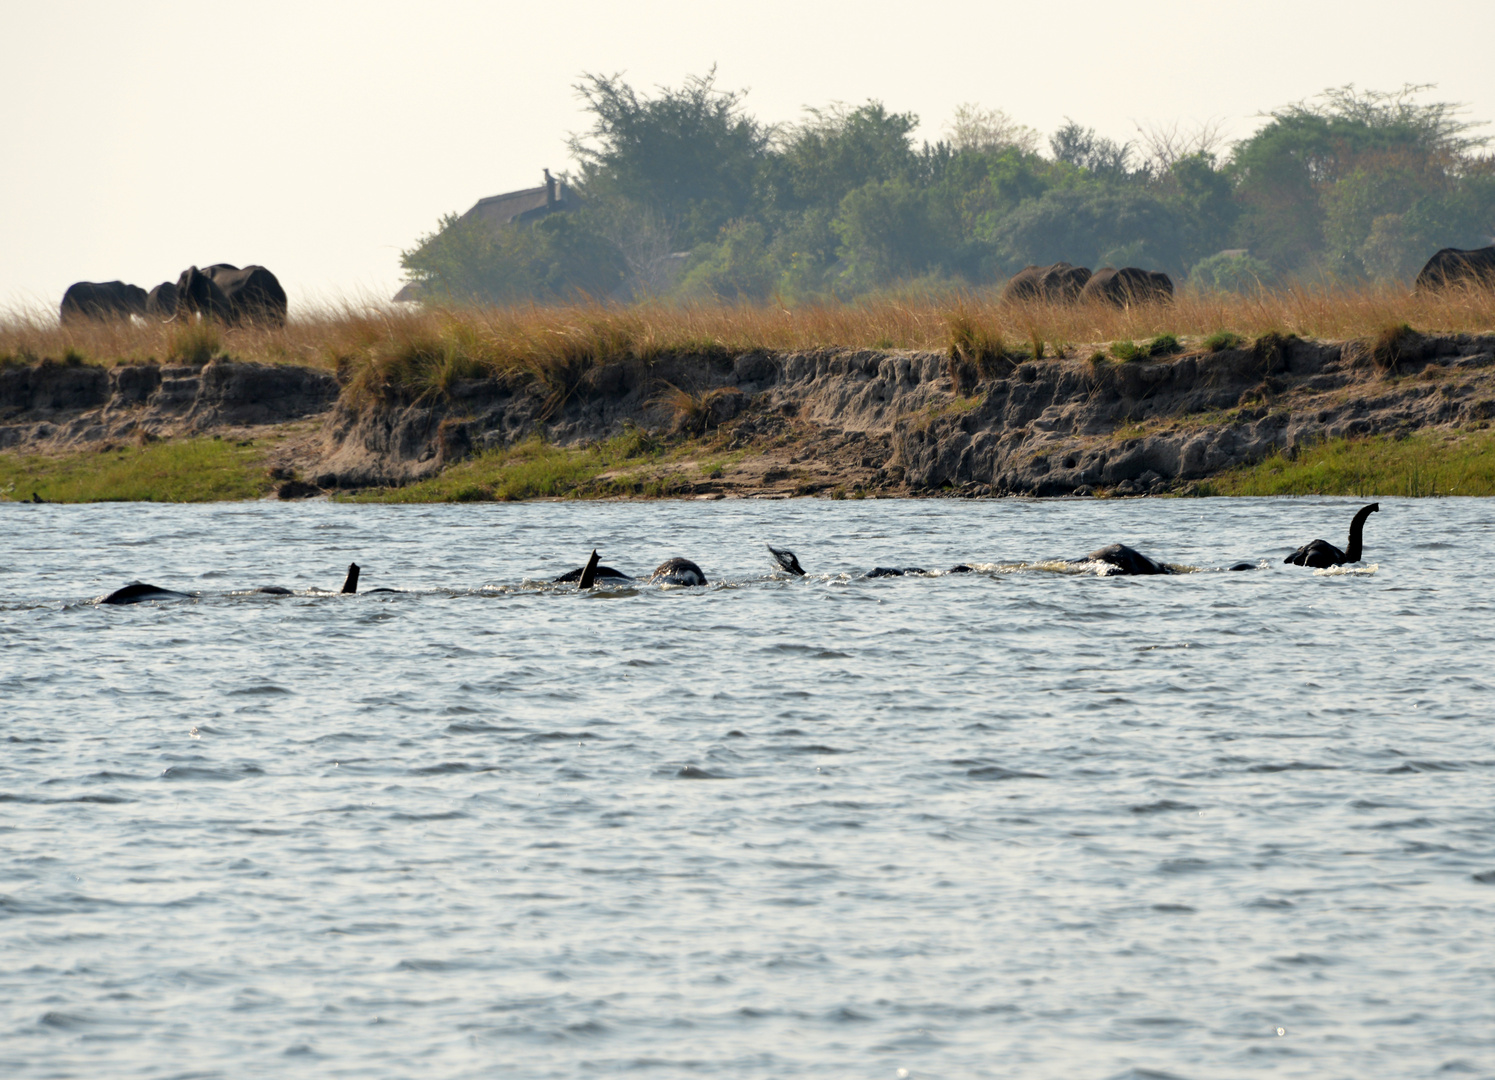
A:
{"points": [[800, 423]]}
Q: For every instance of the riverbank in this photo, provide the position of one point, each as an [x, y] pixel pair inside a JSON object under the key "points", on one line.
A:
{"points": [[1398, 412]]}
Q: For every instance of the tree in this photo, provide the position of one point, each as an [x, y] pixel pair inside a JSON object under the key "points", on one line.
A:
{"points": [[1203, 201], [835, 151], [1091, 224], [1286, 172], [1082, 148], [975, 130], [690, 156], [1230, 271], [891, 230], [739, 267], [473, 262]]}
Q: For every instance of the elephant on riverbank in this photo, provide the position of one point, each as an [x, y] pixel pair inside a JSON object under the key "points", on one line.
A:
{"points": [[161, 302], [1129, 285], [1453, 266], [1059, 283], [101, 300], [233, 295]]}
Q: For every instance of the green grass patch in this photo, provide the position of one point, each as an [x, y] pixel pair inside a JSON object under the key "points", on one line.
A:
{"points": [[532, 469], [190, 470], [1428, 463], [1131, 352], [1221, 340]]}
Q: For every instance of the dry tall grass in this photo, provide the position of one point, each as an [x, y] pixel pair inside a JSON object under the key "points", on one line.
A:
{"points": [[408, 353]]}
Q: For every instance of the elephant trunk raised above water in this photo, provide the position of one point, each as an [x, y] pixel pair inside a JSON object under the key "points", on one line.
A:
{"points": [[1321, 554]]}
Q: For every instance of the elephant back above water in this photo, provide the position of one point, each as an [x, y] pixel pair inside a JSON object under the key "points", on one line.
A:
{"points": [[101, 300], [233, 295], [1058, 283], [1129, 285], [1454, 267]]}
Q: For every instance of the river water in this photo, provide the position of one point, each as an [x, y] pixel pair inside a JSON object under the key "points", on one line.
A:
{"points": [[1015, 823]]}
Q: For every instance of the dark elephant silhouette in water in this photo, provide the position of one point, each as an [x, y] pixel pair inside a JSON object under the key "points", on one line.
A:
{"points": [[350, 583], [1126, 560], [138, 592], [1454, 267], [790, 562], [670, 572], [101, 301], [232, 295], [585, 580], [1058, 283], [678, 572], [1321, 554], [1129, 285]]}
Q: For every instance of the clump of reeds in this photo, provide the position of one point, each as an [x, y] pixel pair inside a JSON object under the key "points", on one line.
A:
{"points": [[976, 351], [1390, 346], [692, 412], [193, 342]]}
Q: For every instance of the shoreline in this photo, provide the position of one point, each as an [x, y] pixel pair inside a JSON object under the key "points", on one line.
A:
{"points": [[1403, 414]]}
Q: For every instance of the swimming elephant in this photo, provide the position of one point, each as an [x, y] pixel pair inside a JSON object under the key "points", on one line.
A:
{"points": [[138, 592], [232, 295], [580, 574], [1058, 283], [1321, 554], [1129, 285], [101, 300], [1126, 560], [1452, 266], [790, 562], [787, 559], [678, 572]]}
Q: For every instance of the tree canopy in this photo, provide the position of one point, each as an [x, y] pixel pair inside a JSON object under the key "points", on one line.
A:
{"points": [[683, 192]]}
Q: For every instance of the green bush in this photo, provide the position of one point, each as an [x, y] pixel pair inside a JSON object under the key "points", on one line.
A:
{"points": [[1163, 345], [1221, 340], [1230, 272]]}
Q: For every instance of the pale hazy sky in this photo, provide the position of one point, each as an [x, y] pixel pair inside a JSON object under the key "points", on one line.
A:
{"points": [[321, 137]]}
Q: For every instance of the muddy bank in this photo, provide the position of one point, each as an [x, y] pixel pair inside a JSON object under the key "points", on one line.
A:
{"points": [[800, 423]]}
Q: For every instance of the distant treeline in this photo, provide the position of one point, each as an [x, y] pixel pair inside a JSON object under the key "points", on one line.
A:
{"points": [[685, 194]]}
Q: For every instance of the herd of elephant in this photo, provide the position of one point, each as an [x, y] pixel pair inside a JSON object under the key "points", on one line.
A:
{"points": [[1113, 559], [1062, 283], [251, 294], [231, 294]]}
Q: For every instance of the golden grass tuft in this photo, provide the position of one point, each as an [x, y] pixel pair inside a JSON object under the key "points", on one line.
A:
{"points": [[193, 342]]}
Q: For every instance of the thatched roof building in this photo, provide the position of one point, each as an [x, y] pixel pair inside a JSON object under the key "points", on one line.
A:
{"points": [[513, 206]]}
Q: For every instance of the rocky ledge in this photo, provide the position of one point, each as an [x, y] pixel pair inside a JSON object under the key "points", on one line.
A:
{"points": [[53, 407], [880, 421]]}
